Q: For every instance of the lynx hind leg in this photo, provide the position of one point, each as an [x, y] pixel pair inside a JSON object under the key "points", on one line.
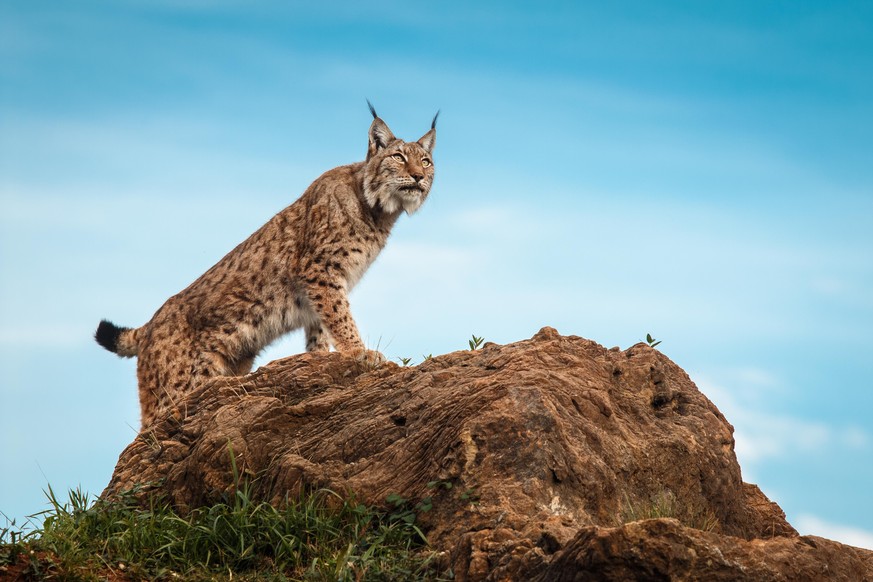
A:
{"points": [[243, 366], [163, 381], [166, 381]]}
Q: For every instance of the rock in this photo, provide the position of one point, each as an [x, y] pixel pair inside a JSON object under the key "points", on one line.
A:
{"points": [[536, 455], [664, 549]]}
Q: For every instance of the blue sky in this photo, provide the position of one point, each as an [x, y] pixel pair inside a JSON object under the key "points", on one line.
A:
{"points": [[699, 171]]}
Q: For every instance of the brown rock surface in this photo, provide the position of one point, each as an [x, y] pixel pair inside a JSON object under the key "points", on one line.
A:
{"points": [[664, 549], [548, 445]]}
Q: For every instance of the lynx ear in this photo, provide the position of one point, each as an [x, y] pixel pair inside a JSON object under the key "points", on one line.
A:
{"points": [[380, 134], [428, 140]]}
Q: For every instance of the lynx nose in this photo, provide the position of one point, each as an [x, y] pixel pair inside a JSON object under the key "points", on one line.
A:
{"points": [[417, 176]]}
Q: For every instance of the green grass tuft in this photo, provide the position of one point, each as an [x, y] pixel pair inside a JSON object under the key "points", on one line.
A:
{"points": [[320, 536], [475, 342], [665, 504]]}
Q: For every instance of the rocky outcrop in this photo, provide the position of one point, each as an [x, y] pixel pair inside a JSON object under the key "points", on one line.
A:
{"points": [[543, 459], [664, 549]]}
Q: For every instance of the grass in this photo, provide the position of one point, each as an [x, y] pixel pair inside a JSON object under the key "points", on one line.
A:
{"points": [[475, 342], [665, 504], [652, 341], [320, 536]]}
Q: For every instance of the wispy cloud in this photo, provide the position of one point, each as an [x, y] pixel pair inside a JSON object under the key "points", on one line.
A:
{"points": [[808, 524], [763, 434], [170, 155], [48, 337]]}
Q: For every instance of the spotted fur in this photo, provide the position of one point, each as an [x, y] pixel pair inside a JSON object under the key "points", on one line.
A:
{"points": [[294, 272]]}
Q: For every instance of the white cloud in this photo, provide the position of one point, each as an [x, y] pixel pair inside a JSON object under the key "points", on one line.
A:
{"points": [[855, 437], [44, 336], [498, 219], [761, 434], [811, 525], [830, 286], [423, 261], [757, 377], [158, 153]]}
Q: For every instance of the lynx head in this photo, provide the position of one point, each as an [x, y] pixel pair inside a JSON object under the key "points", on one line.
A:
{"points": [[397, 174]]}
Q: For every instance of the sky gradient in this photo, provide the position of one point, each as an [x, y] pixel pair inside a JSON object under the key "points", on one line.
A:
{"points": [[699, 171]]}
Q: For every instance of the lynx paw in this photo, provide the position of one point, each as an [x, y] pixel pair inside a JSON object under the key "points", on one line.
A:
{"points": [[371, 358]]}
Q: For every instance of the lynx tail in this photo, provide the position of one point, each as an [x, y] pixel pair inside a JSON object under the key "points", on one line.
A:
{"points": [[118, 340]]}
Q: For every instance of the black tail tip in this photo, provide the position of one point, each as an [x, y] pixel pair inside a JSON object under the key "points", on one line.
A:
{"points": [[107, 335]]}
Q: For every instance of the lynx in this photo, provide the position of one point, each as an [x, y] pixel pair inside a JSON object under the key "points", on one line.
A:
{"points": [[294, 272]]}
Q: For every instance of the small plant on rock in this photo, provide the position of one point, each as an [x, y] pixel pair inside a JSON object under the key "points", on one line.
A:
{"points": [[651, 341]]}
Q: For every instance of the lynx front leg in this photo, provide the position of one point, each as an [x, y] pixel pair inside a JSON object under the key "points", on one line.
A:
{"points": [[317, 339], [330, 303]]}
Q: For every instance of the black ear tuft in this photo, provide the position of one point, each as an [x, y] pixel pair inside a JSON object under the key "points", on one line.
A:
{"points": [[372, 109], [433, 123]]}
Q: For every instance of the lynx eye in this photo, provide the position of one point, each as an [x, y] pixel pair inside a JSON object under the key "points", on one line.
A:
{"points": [[425, 162], [399, 157]]}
